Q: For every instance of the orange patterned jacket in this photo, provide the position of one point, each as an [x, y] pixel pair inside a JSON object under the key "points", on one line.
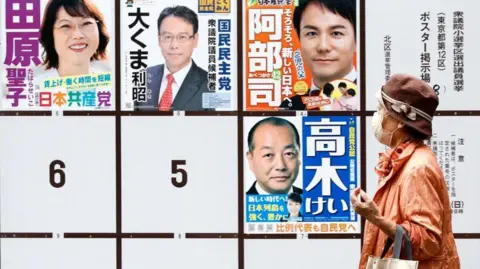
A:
{"points": [[412, 192]]}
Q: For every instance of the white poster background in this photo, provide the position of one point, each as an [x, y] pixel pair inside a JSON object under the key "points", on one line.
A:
{"points": [[58, 254], [29, 203], [150, 38], [208, 203], [468, 253], [311, 253], [106, 7], [466, 182], [401, 21], [181, 254]]}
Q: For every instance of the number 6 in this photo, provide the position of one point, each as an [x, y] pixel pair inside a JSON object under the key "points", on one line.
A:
{"points": [[58, 171], [175, 170]]}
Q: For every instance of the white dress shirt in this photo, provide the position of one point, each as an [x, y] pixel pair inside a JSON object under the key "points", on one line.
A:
{"points": [[178, 78], [260, 190]]}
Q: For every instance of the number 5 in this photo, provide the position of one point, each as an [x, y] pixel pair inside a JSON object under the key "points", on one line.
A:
{"points": [[179, 183], [58, 171]]}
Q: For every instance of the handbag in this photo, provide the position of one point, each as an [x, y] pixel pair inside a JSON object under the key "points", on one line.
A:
{"points": [[395, 262]]}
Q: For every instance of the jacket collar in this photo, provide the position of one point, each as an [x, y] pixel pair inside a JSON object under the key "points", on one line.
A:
{"points": [[403, 153]]}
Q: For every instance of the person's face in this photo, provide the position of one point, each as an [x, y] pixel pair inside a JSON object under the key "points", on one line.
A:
{"points": [[389, 123], [327, 42], [293, 208], [177, 41], [76, 39], [385, 127], [343, 90], [274, 160]]}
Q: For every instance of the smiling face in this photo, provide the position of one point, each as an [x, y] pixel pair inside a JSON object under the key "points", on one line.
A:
{"points": [[327, 43], [76, 39], [293, 208], [177, 42]]}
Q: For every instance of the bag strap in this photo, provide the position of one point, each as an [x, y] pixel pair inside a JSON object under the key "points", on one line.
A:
{"points": [[400, 233]]}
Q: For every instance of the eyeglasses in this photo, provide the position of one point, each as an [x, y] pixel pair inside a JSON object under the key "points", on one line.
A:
{"points": [[166, 38], [87, 26]]}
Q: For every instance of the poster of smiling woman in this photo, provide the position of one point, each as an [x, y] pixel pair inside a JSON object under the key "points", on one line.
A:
{"points": [[57, 55]]}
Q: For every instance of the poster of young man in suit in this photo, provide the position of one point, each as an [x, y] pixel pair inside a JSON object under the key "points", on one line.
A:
{"points": [[57, 55], [299, 52], [300, 169], [179, 55]]}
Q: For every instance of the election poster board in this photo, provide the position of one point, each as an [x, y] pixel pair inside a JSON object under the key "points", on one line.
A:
{"points": [[206, 36], [301, 188], [129, 187], [294, 48], [455, 151], [57, 58], [433, 40]]}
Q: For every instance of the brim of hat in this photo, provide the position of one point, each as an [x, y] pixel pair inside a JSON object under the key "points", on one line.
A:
{"points": [[421, 125]]}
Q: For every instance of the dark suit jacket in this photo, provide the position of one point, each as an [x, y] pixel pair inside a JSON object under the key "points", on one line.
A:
{"points": [[252, 189], [189, 96]]}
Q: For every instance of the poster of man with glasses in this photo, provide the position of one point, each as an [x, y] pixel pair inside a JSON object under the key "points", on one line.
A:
{"points": [[193, 55]]}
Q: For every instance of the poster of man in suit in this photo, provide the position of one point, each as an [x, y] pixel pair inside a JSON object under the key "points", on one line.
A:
{"points": [[189, 65], [298, 48]]}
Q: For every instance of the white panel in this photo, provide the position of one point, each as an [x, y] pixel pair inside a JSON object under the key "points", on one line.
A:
{"points": [[465, 181], [58, 254], [208, 202], [407, 46], [468, 253], [86, 202], [312, 253], [180, 254]]}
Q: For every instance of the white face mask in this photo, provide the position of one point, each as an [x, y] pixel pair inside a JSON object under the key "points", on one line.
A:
{"points": [[383, 136], [377, 125]]}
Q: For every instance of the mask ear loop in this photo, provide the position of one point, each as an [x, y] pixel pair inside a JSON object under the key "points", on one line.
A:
{"points": [[400, 125]]}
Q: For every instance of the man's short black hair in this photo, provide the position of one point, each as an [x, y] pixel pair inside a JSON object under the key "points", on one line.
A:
{"points": [[295, 197], [351, 92], [342, 85], [328, 88], [182, 12], [345, 8], [275, 122]]}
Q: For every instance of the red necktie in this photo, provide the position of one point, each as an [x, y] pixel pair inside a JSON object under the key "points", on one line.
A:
{"points": [[166, 100]]}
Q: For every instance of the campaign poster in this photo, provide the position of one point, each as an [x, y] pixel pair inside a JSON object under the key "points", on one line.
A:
{"points": [[179, 55], [299, 173], [57, 55], [301, 55], [455, 149], [436, 41]]}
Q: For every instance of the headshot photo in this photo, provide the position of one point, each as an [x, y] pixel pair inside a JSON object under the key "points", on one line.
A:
{"points": [[178, 83], [74, 38], [294, 205], [273, 157], [326, 30]]}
